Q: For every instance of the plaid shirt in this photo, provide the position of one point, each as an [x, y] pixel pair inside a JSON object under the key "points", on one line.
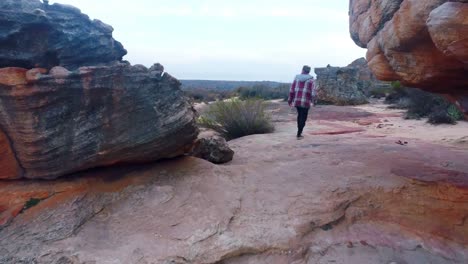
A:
{"points": [[302, 89]]}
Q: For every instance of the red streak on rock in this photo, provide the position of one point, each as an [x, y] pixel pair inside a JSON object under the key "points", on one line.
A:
{"points": [[13, 76], [9, 167], [338, 132]]}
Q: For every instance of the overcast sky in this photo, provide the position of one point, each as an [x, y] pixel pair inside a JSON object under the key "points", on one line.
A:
{"points": [[229, 40]]}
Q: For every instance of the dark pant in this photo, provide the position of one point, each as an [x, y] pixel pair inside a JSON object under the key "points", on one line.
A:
{"points": [[302, 114]]}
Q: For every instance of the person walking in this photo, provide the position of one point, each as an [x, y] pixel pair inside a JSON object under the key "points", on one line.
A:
{"points": [[300, 96]]}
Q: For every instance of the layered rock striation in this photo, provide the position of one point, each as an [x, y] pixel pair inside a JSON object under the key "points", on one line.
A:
{"points": [[68, 102], [33, 34], [420, 43], [350, 85], [64, 121]]}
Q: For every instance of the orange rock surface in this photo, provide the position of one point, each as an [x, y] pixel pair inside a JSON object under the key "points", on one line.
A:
{"points": [[280, 200], [423, 44], [8, 163], [12, 76]]}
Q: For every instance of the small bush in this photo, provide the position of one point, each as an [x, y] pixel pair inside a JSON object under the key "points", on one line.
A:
{"points": [[378, 93], [421, 104], [439, 115], [236, 118], [396, 85], [402, 103], [30, 203], [455, 113], [396, 95]]}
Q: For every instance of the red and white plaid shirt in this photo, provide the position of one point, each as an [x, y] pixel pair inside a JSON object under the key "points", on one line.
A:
{"points": [[300, 94]]}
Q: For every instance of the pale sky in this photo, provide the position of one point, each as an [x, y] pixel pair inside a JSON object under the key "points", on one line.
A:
{"points": [[229, 40]]}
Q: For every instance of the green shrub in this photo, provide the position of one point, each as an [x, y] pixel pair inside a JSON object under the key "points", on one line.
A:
{"points": [[378, 93], [236, 118], [396, 94], [396, 85], [439, 115], [402, 103], [31, 203], [421, 104], [455, 113]]}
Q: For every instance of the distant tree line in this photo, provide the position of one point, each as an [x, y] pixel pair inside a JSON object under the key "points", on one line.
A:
{"points": [[258, 91]]}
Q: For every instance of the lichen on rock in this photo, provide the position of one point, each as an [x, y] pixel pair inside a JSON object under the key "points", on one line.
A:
{"points": [[350, 85]]}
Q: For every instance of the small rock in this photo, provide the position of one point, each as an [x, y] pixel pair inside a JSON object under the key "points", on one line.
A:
{"points": [[212, 147], [157, 67], [35, 74], [364, 122], [59, 72], [139, 68]]}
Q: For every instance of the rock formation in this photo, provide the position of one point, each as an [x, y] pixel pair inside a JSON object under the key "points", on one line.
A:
{"points": [[33, 34], [350, 85], [423, 44], [84, 107], [65, 121]]}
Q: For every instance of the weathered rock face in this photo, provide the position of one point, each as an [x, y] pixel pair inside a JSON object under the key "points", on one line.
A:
{"points": [[65, 121], [423, 44], [350, 85], [339, 86], [36, 35], [212, 147], [68, 103], [367, 82]]}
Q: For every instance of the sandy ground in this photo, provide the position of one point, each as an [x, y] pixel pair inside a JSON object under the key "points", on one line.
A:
{"points": [[384, 122], [455, 135]]}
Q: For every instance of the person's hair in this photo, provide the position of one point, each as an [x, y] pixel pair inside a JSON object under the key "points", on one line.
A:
{"points": [[306, 69]]}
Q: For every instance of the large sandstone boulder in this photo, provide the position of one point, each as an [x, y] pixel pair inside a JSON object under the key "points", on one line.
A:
{"points": [[55, 123], [36, 35], [420, 43], [339, 85], [350, 85], [68, 103]]}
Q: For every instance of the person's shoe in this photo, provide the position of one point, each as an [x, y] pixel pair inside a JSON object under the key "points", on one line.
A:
{"points": [[299, 137]]}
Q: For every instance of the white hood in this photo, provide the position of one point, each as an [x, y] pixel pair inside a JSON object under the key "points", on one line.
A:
{"points": [[304, 77]]}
